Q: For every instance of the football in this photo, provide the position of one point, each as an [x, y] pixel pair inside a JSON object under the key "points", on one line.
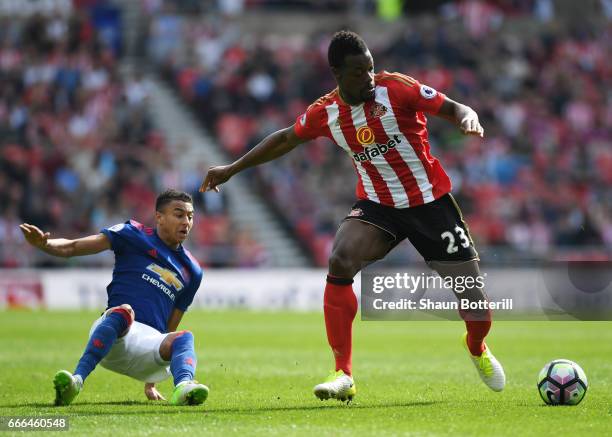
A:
{"points": [[562, 382]]}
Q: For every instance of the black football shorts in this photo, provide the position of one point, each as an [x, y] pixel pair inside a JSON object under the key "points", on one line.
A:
{"points": [[436, 229]]}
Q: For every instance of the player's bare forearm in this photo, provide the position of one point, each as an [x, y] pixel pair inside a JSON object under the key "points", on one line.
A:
{"points": [[59, 247], [63, 247], [174, 320], [273, 146], [462, 115], [79, 247]]}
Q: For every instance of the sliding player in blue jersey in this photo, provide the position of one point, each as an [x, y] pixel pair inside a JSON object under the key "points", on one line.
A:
{"points": [[154, 282]]}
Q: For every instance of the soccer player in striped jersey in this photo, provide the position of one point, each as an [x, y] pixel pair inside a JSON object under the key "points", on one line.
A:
{"points": [[402, 191], [154, 282]]}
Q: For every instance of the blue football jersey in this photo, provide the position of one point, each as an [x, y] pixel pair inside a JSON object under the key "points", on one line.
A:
{"points": [[150, 276]]}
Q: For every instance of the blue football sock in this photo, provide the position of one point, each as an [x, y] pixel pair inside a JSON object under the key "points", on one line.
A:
{"points": [[100, 342], [183, 361]]}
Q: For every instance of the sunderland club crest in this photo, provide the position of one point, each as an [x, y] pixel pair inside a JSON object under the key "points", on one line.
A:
{"points": [[378, 110]]}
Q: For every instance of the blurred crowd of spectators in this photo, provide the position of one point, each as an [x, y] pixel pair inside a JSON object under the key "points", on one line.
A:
{"points": [[476, 11], [78, 151], [542, 178], [385, 8]]}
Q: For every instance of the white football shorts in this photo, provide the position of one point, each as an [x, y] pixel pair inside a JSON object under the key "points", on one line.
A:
{"points": [[136, 354]]}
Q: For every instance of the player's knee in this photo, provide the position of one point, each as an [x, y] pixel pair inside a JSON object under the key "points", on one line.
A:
{"points": [[170, 342], [129, 309], [184, 336], [343, 264], [126, 311]]}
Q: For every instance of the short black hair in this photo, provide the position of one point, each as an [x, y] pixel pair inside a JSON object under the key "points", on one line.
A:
{"points": [[344, 43], [169, 195]]}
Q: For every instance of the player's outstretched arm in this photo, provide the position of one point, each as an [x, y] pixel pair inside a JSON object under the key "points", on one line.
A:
{"points": [[270, 148], [464, 116], [61, 246]]}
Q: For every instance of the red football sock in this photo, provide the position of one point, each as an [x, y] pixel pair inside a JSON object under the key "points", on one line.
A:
{"points": [[340, 307], [478, 327]]}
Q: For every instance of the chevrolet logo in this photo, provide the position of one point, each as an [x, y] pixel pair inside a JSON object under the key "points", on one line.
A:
{"points": [[168, 276]]}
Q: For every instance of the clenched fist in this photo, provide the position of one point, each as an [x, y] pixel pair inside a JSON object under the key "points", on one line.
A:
{"points": [[470, 125]]}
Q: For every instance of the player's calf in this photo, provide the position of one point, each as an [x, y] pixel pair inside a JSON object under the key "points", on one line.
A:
{"points": [[183, 360], [356, 244], [116, 323], [477, 321], [179, 349]]}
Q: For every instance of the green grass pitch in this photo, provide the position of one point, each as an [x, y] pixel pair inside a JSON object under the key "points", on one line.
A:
{"points": [[412, 378]]}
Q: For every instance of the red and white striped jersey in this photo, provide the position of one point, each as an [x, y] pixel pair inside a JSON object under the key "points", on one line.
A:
{"points": [[386, 138]]}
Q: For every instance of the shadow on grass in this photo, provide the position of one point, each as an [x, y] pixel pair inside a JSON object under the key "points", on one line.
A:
{"points": [[335, 406], [53, 407], [157, 408]]}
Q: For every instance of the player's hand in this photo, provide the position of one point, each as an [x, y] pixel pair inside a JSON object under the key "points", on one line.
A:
{"points": [[152, 393], [470, 125], [215, 177], [34, 235]]}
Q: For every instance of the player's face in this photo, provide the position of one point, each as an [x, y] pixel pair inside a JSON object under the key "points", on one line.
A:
{"points": [[356, 78], [174, 222]]}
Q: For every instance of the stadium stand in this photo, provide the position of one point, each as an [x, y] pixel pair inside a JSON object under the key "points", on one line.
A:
{"points": [[78, 151], [538, 187]]}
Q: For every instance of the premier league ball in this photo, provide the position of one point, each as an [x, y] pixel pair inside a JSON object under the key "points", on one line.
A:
{"points": [[562, 382]]}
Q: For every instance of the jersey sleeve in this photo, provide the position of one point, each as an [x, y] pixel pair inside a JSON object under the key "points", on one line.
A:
{"points": [[118, 235], [311, 124], [415, 95], [185, 299]]}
